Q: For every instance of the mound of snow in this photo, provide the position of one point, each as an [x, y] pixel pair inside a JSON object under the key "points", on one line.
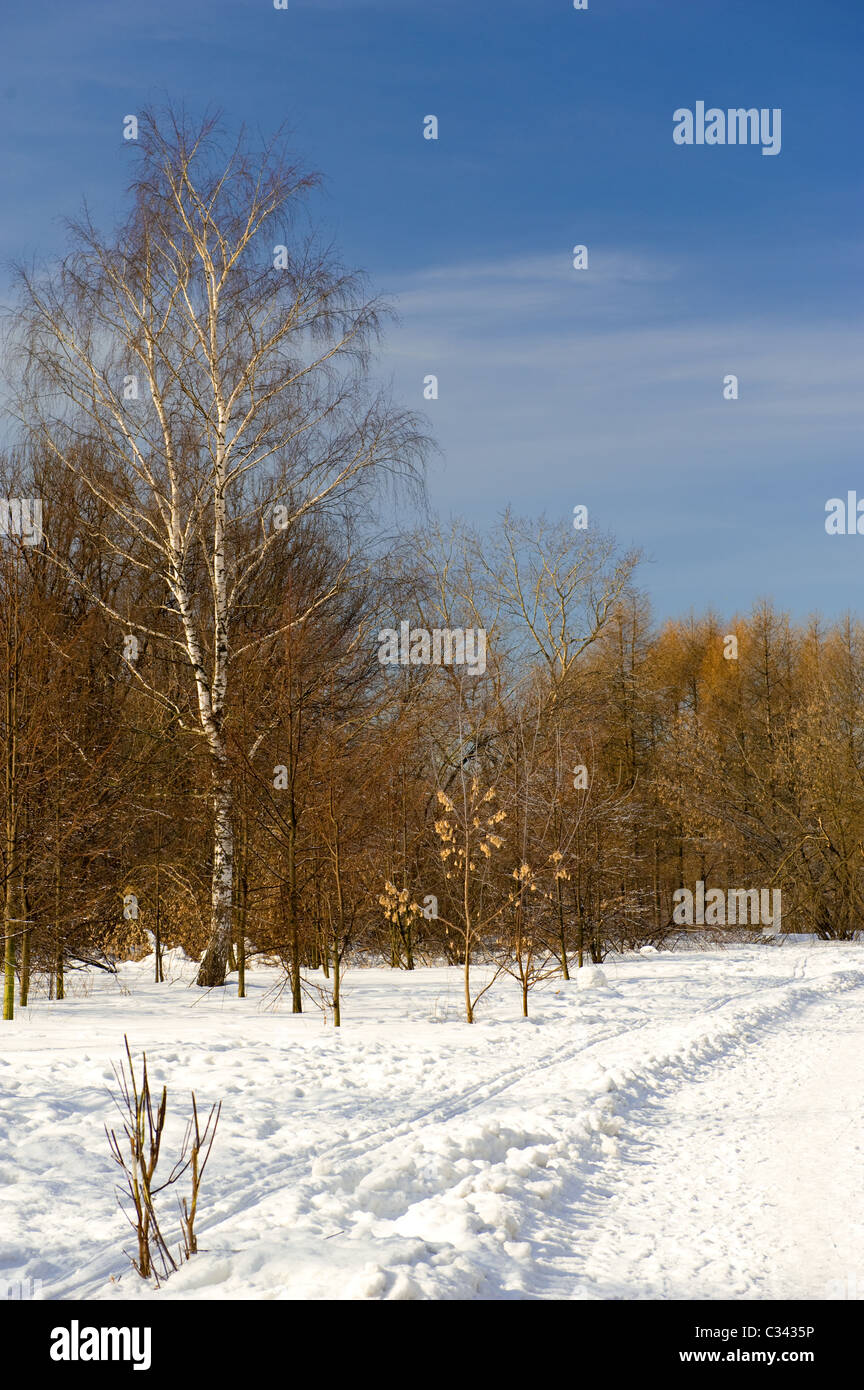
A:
{"points": [[591, 977]]}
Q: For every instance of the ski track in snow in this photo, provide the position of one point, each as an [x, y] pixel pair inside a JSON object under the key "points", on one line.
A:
{"points": [[681, 1125], [745, 1182]]}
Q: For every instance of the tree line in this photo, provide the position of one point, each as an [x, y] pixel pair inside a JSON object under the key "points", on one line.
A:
{"points": [[202, 744]]}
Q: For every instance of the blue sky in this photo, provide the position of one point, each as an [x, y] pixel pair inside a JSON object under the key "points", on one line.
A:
{"points": [[557, 387]]}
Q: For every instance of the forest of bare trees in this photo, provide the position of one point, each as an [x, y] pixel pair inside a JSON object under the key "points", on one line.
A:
{"points": [[201, 745]]}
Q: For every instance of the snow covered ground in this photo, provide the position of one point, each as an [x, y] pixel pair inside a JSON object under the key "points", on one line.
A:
{"points": [[677, 1125]]}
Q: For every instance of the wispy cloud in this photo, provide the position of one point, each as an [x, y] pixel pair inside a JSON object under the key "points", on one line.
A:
{"points": [[558, 386], [465, 294]]}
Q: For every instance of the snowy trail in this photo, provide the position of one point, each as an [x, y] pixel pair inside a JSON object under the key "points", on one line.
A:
{"points": [[680, 1125], [745, 1182]]}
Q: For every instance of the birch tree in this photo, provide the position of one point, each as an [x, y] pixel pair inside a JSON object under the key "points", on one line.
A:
{"points": [[204, 373]]}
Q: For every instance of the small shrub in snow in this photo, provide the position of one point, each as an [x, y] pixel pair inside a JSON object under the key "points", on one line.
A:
{"points": [[138, 1158]]}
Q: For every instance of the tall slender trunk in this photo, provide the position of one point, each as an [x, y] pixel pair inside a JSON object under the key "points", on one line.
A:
{"points": [[562, 936], [9, 967], [339, 925], [11, 827], [24, 993], [337, 986], [60, 988], [243, 898], [321, 925], [406, 931], [657, 903], [157, 933], [409, 947], [10, 959], [214, 963], [469, 1012], [466, 908], [293, 923], [212, 695], [580, 925]]}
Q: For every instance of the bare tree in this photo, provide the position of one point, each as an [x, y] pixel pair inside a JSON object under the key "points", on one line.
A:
{"points": [[467, 828], [204, 373], [557, 586]]}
